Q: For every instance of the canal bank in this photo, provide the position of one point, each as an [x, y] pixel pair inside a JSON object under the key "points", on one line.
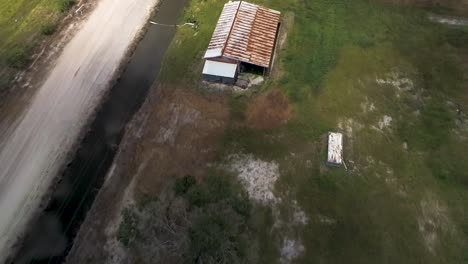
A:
{"points": [[84, 176]]}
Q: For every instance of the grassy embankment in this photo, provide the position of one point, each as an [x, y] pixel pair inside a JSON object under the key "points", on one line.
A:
{"points": [[350, 66], [23, 24]]}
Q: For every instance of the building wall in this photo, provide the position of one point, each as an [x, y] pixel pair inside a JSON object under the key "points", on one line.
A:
{"points": [[220, 79]]}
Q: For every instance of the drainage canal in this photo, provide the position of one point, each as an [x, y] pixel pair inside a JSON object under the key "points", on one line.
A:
{"points": [[51, 236]]}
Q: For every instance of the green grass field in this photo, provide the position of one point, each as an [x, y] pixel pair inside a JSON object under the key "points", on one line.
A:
{"points": [[393, 83], [22, 25]]}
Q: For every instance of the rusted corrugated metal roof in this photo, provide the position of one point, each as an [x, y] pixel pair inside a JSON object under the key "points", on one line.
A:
{"points": [[245, 32]]}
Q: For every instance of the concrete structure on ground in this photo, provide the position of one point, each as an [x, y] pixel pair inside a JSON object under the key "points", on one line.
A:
{"points": [[335, 149], [244, 38]]}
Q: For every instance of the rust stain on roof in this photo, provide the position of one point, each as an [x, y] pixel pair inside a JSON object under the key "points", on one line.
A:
{"points": [[245, 32]]}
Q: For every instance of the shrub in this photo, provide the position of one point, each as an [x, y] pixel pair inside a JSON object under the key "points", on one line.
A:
{"points": [[457, 37], [213, 227], [216, 234], [198, 197], [19, 57], [65, 5], [128, 228], [214, 188], [182, 185], [190, 17], [48, 29]]}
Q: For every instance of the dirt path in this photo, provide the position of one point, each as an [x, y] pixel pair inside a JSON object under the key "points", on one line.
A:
{"points": [[36, 145]]}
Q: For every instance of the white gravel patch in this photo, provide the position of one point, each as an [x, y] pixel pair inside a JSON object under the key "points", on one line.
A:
{"points": [[367, 106], [326, 219], [299, 216], [405, 145], [385, 121], [396, 80], [258, 176], [290, 250], [447, 20]]}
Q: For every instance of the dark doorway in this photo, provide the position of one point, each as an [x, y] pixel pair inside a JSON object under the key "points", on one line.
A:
{"points": [[251, 68]]}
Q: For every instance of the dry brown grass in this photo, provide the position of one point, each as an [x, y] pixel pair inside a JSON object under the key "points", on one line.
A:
{"points": [[180, 137], [269, 110]]}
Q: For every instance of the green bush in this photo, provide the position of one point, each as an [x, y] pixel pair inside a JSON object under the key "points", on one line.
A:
{"points": [[210, 224], [197, 197], [128, 228], [19, 57], [220, 222], [213, 189], [182, 185], [65, 5], [457, 37], [48, 29], [216, 235]]}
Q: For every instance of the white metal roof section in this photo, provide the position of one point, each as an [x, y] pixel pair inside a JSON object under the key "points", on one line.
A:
{"points": [[245, 32], [220, 68], [213, 53], [335, 148]]}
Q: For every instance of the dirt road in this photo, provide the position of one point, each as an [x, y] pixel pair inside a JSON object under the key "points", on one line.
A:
{"points": [[36, 144]]}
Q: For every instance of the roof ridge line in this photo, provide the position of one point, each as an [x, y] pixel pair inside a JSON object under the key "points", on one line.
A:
{"points": [[232, 27], [250, 32]]}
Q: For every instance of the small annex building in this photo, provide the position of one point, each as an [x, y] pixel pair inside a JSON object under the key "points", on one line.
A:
{"points": [[245, 36], [335, 149]]}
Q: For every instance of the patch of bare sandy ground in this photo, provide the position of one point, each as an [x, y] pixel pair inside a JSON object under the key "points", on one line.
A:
{"points": [[175, 133]]}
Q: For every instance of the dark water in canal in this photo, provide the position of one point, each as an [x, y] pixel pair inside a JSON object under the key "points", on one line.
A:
{"points": [[50, 238]]}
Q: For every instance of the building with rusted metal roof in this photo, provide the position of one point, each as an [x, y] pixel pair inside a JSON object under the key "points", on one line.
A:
{"points": [[244, 37]]}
